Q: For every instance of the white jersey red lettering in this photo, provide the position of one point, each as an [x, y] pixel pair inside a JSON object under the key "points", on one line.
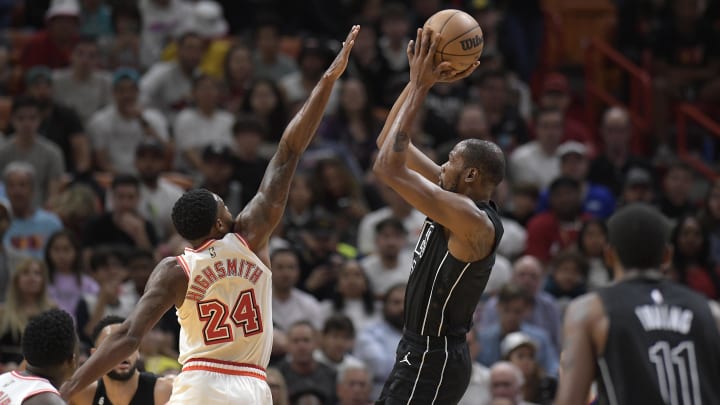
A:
{"points": [[15, 388], [225, 320]]}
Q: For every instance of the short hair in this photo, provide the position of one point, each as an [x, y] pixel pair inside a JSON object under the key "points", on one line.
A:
{"points": [[284, 250], [49, 339], [186, 35], [392, 223], [487, 157], [393, 288], [194, 213], [339, 323], [302, 322], [563, 182], [102, 255], [572, 256], [125, 180], [20, 167], [248, 123], [21, 102], [639, 234], [511, 292], [105, 322], [127, 10], [347, 366], [678, 165]]}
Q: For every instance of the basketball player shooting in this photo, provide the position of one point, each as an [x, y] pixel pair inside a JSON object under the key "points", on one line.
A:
{"points": [[456, 250], [222, 285], [646, 339]]}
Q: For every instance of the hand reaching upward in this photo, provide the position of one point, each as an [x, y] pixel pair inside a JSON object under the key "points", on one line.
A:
{"points": [[338, 66]]}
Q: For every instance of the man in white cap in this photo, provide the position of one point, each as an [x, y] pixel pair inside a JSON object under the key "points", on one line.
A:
{"points": [[52, 46]]}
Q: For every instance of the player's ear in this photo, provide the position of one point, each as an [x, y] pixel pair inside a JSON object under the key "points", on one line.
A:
{"points": [[472, 175]]}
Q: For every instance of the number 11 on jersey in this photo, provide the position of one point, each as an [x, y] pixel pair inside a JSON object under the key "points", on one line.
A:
{"points": [[245, 313]]}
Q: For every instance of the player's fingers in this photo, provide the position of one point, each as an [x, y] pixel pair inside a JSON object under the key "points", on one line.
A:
{"points": [[467, 72], [410, 48], [434, 43], [427, 39], [445, 69], [418, 41]]}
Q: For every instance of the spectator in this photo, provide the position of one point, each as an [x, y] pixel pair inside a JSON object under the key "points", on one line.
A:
{"points": [[60, 124], [395, 207], [160, 20], [354, 384], [478, 391], [122, 224], [597, 200], [471, 123], [557, 229], [95, 19], [506, 384], [353, 125], [390, 264], [611, 166], [524, 201], [7, 70], [568, 278], [506, 125], [692, 264], [710, 219], [167, 86], [81, 86], [157, 195], [353, 296], [8, 258], [268, 61], [290, 305], [266, 103], [395, 26], [369, 66], [278, 387], [513, 304], [300, 211], [117, 129], [30, 227], [537, 162], [51, 47], [300, 369], [528, 273], [513, 241], [237, 77], [675, 199], [217, 170], [638, 187], [202, 125], [521, 34], [340, 194], [336, 342], [519, 349], [592, 241], [376, 343], [556, 95], [314, 58], [123, 48], [248, 134], [322, 257], [26, 297], [67, 283]]}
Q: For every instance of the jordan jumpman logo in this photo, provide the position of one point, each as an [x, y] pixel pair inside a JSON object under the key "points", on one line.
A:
{"points": [[405, 359]]}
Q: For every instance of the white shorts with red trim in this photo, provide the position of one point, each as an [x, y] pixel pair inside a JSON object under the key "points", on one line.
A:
{"points": [[216, 382]]}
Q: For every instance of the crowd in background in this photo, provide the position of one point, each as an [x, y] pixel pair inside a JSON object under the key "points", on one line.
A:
{"points": [[120, 106]]}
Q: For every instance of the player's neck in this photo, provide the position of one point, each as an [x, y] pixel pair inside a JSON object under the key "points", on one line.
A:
{"points": [[53, 376], [651, 274], [120, 392]]}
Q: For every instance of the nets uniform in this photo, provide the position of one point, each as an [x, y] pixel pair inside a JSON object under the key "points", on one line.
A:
{"points": [[144, 395], [432, 360], [225, 325], [663, 346], [15, 388]]}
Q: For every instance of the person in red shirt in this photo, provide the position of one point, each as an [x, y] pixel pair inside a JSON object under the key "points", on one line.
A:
{"points": [[556, 94], [556, 230], [52, 47]]}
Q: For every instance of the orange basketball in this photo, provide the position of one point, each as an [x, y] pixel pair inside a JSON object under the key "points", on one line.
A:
{"points": [[462, 39]]}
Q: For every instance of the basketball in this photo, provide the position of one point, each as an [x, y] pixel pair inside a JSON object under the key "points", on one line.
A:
{"points": [[462, 39]]}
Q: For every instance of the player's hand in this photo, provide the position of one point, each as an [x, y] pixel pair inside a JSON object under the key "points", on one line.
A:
{"points": [[421, 57], [338, 66], [454, 75]]}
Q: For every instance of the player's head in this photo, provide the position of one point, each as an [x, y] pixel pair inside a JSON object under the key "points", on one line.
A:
{"points": [[50, 344], [107, 325], [473, 164], [637, 238], [200, 215]]}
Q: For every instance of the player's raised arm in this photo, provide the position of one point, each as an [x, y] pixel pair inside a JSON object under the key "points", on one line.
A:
{"points": [[259, 218], [455, 209], [165, 288]]}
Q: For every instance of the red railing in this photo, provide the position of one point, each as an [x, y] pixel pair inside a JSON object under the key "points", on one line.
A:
{"points": [[640, 102], [688, 112]]}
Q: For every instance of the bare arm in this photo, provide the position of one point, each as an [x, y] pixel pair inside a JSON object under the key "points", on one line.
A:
{"points": [[163, 390], [166, 287], [46, 398], [262, 214], [577, 366], [456, 212]]}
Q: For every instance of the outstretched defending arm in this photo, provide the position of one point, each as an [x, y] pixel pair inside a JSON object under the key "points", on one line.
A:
{"points": [[166, 287], [262, 214]]}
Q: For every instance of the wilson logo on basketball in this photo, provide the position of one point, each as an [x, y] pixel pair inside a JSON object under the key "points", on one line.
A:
{"points": [[471, 43]]}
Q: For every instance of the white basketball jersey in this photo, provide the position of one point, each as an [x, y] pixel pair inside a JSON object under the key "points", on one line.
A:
{"points": [[16, 388], [226, 318]]}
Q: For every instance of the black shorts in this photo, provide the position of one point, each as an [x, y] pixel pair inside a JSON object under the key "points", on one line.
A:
{"points": [[428, 370]]}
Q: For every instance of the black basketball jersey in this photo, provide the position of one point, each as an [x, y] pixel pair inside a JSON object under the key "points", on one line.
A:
{"points": [[663, 346], [144, 395], [442, 291]]}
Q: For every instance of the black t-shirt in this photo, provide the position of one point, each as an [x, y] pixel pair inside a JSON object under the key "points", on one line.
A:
{"points": [[61, 126], [103, 231], [144, 395]]}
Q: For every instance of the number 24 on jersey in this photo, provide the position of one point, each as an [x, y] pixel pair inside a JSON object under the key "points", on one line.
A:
{"points": [[245, 314]]}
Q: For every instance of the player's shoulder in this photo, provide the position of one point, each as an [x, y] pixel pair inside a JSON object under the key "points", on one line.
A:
{"points": [[585, 308], [45, 398]]}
